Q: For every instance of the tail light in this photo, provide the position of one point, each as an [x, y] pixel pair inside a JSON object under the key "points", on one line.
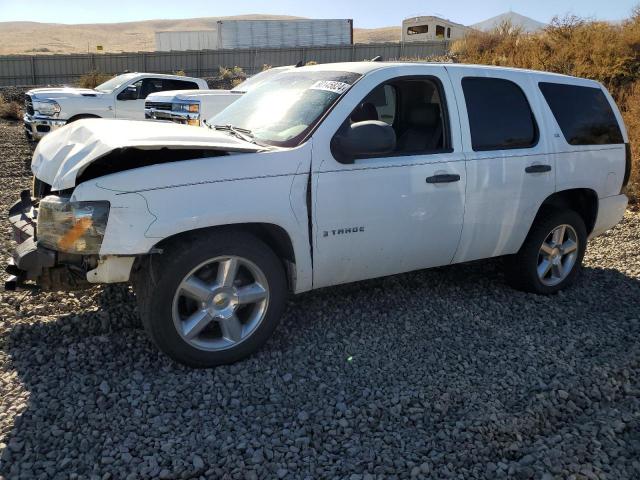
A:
{"points": [[627, 165]]}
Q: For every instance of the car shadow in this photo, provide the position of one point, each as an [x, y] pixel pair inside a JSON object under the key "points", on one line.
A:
{"points": [[96, 388]]}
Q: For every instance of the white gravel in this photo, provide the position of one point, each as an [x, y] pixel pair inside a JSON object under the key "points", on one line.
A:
{"points": [[445, 373]]}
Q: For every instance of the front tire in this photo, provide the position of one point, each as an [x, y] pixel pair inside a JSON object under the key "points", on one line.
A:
{"points": [[212, 299], [551, 257]]}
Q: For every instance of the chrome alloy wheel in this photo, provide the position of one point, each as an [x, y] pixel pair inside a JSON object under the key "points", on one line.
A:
{"points": [[220, 303], [557, 255]]}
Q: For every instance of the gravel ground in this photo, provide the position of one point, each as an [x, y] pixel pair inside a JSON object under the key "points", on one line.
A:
{"points": [[445, 373]]}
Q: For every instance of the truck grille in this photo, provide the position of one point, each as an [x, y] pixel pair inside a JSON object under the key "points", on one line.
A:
{"points": [[28, 104], [158, 105]]}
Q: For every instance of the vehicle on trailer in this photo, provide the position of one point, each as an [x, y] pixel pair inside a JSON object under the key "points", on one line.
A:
{"points": [[193, 107], [123, 96], [324, 175]]}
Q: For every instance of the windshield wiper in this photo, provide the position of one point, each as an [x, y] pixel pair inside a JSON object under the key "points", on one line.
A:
{"points": [[241, 133]]}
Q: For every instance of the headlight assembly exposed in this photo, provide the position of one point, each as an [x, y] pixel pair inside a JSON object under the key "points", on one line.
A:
{"points": [[47, 108], [186, 107], [72, 227]]}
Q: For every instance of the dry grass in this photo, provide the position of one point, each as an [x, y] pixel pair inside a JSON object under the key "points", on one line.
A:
{"points": [[10, 110], [609, 53], [93, 79], [232, 73]]}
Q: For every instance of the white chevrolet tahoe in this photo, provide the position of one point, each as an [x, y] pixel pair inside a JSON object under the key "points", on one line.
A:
{"points": [[48, 109], [321, 176], [193, 107]]}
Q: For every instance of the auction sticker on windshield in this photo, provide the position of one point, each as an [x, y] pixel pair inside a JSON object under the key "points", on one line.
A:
{"points": [[331, 86]]}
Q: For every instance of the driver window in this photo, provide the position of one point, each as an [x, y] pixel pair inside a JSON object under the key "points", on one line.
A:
{"points": [[149, 86], [131, 92], [378, 105], [414, 108]]}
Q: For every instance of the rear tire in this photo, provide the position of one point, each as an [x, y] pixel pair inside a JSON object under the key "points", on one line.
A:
{"points": [[212, 299], [551, 257]]}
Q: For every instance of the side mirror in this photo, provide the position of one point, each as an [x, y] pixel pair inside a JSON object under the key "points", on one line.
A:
{"points": [[363, 139], [129, 93]]}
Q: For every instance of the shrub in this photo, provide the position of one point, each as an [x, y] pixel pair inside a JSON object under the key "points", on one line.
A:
{"points": [[609, 53], [10, 110], [230, 73], [93, 79], [180, 73]]}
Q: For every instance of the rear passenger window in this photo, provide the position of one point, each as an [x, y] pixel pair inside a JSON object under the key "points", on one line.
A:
{"points": [[583, 114], [179, 85], [500, 117]]}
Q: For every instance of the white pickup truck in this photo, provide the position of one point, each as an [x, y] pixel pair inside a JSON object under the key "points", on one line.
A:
{"points": [[324, 175], [48, 109], [194, 107]]}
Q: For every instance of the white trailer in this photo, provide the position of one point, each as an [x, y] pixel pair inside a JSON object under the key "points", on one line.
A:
{"points": [[427, 28], [232, 34]]}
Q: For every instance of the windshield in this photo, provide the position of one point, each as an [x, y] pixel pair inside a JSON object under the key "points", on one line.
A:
{"points": [[258, 78], [283, 110], [110, 85]]}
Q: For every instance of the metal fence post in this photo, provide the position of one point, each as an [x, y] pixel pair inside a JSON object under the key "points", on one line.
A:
{"points": [[33, 70]]}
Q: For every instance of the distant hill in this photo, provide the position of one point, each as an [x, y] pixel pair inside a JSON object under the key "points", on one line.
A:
{"points": [[34, 37], [47, 38], [528, 25]]}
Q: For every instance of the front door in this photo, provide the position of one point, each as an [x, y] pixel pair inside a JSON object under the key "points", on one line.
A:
{"points": [[398, 212], [130, 101]]}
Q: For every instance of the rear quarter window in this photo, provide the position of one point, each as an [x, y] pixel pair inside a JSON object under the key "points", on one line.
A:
{"points": [[179, 85], [500, 117], [583, 114]]}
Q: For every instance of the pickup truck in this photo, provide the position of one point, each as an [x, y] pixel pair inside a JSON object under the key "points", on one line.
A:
{"points": [[324, 175], [193, 107], [48, 109]]}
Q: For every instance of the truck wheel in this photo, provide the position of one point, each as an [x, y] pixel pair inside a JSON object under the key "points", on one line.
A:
{"points": [[212, 300], [551, 257]]}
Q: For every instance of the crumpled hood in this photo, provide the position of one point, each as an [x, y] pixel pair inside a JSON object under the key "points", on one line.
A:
{"points": [[186, 95], [62, 92], [64, 154]]}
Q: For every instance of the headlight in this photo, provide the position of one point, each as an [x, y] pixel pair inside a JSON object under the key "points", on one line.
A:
{"points": [[46, 107], [72, 227], [186, 107]]}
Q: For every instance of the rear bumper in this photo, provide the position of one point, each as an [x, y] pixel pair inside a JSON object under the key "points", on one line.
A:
{"points": [[36, 127], [610, 212], [34, 266]]}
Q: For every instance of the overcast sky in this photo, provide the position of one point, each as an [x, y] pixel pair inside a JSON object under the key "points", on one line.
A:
{"points": [[366, 13]]}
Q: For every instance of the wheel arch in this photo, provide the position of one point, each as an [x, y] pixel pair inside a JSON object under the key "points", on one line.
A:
{"points": [[584, 201], [274, 236], [80, 116]]}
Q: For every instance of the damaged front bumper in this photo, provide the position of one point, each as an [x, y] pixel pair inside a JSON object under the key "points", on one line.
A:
{"points": [[34, 266]]}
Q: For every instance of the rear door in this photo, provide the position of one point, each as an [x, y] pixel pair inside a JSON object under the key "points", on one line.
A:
{"points": [[510, 168], [389, 214]]}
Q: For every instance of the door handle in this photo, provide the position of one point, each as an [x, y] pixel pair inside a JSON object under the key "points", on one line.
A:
{"points": [[444, 178], [538, 168]]}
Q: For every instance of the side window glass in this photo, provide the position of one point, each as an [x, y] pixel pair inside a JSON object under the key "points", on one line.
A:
{"points": [[130, 92], [583, 114], [500, 117], [149, 86], [378, 105], [413, 108], [439, 31], [178, 85]]}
